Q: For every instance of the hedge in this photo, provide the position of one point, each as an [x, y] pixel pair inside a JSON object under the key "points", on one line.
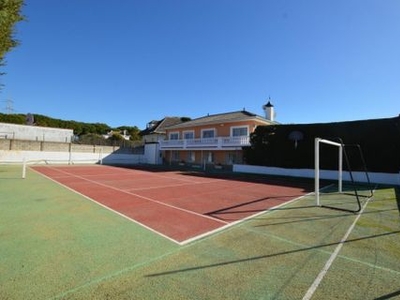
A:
{"points": [[379, 139]]}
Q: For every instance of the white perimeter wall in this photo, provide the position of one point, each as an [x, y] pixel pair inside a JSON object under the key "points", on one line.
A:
{"points": [[42, 157], [35, 133], [382, 178]]}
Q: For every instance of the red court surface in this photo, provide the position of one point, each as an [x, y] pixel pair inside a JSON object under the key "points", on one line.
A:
{"points": [[181, 206]]}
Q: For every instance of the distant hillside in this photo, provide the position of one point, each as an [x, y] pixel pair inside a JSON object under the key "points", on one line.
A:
{"points": [[80, 128]]}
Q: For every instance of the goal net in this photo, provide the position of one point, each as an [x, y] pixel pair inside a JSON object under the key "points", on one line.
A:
{"points": [[346, 188]]}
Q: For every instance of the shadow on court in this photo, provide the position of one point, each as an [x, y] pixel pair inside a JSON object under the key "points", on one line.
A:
{"points": [[58, 245], [241, 207], [271, 255], [284, 181], [389, 296], [312, 218]]}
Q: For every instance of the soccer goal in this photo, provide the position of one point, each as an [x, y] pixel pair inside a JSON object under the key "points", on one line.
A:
{"points": [[335, 196]]}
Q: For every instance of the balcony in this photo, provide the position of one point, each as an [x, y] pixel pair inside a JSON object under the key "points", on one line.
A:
{"points": [[217, 143]]}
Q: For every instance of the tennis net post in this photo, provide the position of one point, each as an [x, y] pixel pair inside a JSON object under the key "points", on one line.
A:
{"points": [[24, 168]]}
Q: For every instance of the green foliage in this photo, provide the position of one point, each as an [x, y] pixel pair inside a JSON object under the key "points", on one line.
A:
{"points": [[379, 140], [79, 128], [134, 132], [88, 133], [91, 139], [116, 137], [185, 119], [13, 118], [10, 14]]}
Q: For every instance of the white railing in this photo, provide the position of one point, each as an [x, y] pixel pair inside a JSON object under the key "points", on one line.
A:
{"points": [[215, 143], [236, 141]]}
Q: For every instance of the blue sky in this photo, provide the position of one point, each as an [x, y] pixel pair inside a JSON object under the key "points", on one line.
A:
{"points": [[127, 62]]}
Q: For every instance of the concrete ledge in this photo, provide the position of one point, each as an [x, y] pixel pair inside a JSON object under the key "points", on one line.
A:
{"points": [[382, 178]]}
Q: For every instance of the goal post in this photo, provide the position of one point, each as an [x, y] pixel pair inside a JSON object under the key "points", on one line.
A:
{"points": [[85, 154], [317, 143], [343, 157]]}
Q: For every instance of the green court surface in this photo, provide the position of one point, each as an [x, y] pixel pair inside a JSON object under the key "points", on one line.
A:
{"points": [[55, 244]]}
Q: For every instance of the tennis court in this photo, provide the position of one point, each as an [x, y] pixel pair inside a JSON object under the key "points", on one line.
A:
{"points": [[61, 238], [181, 206]]}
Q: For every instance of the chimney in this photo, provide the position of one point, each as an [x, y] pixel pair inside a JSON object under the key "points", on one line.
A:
{"points": [[269, 110]]}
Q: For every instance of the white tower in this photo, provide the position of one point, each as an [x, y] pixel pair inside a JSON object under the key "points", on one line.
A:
{"points": [[269, 110]]}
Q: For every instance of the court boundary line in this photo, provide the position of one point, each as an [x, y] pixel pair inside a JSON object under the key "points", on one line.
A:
{"points": [[310, 292], [108, 208], [142, 197], [155, 175], [181, 243], [211, 232], [321, 250], [112, 275], [169, 186], [238, 222], [131, 190]]}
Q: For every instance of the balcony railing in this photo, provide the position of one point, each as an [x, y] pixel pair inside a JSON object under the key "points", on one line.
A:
{"points": [[210, 143]]}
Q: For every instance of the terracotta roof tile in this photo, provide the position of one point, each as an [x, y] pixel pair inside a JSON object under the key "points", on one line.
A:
{"points": [[159, 126], [222, 118]]}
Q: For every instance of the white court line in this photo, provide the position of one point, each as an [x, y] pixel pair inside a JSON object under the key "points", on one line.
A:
{"points": [[333, 256], [184, 242], [171, 185], [110, 209], [150, 174], [145, 198], [229, 225]]}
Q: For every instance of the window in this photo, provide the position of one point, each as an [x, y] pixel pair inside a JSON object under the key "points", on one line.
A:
{"points": [[188, 135], [207, 133], [174, 136], [191, 157], [210, 157], [231, 158], [175, 155], [240, 131]]}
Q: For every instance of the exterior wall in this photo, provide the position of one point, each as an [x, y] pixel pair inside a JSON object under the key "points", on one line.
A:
{"points": [[223, 157], [152, 154], [152, 148], [35, 133], [19, 145], [211, 154], [221, 130]]}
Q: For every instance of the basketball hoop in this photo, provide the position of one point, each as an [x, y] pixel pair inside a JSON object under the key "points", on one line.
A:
{"points": [[296, 136]]}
